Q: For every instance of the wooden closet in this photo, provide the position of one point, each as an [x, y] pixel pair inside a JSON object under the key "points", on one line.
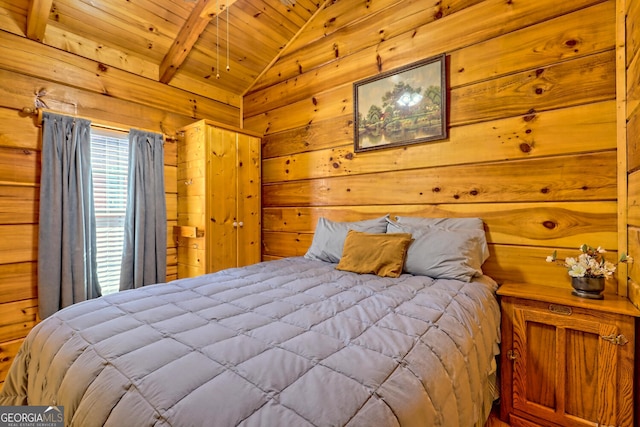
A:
{"points": [[219, 209]]}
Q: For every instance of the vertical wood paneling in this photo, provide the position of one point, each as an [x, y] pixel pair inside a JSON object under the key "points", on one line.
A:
{"points": [[631, 109]]}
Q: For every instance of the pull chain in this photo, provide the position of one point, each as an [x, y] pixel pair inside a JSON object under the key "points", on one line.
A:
{"points": [[217, 40], [228, 68]]}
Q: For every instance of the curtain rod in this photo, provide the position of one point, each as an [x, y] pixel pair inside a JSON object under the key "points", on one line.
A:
{"points": [[37, 112]]}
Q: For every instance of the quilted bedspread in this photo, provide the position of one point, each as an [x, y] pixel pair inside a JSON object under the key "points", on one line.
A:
{"points": [[292, 342]]}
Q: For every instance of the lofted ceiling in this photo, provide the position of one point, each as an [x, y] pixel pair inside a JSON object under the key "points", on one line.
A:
{"points": [[182, 43]]}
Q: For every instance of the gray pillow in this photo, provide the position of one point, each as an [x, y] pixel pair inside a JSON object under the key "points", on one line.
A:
{"points": [[449, 224], [329, 237], [442, 253]]}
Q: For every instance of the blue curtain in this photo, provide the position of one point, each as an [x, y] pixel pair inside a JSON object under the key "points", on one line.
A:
{"points": [[144, 258], [67, 229]]}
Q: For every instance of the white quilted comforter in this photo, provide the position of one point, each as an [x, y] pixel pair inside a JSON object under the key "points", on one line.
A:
{"points": [[292, 342]]}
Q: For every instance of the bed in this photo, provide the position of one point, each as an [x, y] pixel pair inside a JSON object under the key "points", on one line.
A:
{"points": [[292, 342]]}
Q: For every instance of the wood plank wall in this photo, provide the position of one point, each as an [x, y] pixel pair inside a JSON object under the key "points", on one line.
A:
{"points": [[532, 143], [73, 85], [632, 67]]}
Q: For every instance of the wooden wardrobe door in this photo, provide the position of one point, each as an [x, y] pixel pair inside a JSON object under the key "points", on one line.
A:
{"points": [[222, 189], [248, 200]]}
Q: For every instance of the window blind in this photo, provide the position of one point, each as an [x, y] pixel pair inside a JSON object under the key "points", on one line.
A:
{"points": [[109, 163]]}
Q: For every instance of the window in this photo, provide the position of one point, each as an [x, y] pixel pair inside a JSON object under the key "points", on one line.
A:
{"points": [[109, 162]]}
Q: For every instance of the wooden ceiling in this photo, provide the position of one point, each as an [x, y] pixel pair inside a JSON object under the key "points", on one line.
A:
{"points": [[182, 43]]}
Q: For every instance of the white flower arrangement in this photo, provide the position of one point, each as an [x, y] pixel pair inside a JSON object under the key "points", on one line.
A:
{"points": [[590, 263]]}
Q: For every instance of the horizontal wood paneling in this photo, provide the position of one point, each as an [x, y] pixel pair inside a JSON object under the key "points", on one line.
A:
{"points": [[19, 55], [573, 35], [18, 281], [15, 131], [574, 82], [532, 129], [567, 224], [555, 132], [295, 76], [564, 84], [19, 204], [17, 92], [19, 166], [17, 319], [18, 243], [8, 352], [555, 179]]}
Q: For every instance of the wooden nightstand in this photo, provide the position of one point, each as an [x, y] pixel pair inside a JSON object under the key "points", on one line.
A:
{"points": [[566, 361]]}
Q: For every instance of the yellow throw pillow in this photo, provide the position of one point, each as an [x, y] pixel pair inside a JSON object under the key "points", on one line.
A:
{"points": [[369, 253]]}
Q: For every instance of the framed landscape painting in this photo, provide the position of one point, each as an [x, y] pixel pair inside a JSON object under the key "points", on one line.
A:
{"points": [[403, 106]]}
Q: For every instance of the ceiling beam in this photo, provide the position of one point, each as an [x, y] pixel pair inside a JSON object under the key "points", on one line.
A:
{"points": [[37, 18], [203, 12]]}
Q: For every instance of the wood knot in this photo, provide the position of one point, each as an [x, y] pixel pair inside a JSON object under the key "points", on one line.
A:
{"points": [[545, 190], [525, 147], [549, 224], [349, 156], [531, 114]]}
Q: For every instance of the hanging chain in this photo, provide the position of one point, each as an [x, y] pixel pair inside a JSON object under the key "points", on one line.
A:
{"points": [[228, 68], [217, 40]]}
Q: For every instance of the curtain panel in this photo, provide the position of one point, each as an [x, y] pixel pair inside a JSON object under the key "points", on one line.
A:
{"points": [[67, 237], [144, 258]]}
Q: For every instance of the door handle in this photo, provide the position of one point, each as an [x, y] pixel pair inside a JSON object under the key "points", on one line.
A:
{"points": [[615, 339]]}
